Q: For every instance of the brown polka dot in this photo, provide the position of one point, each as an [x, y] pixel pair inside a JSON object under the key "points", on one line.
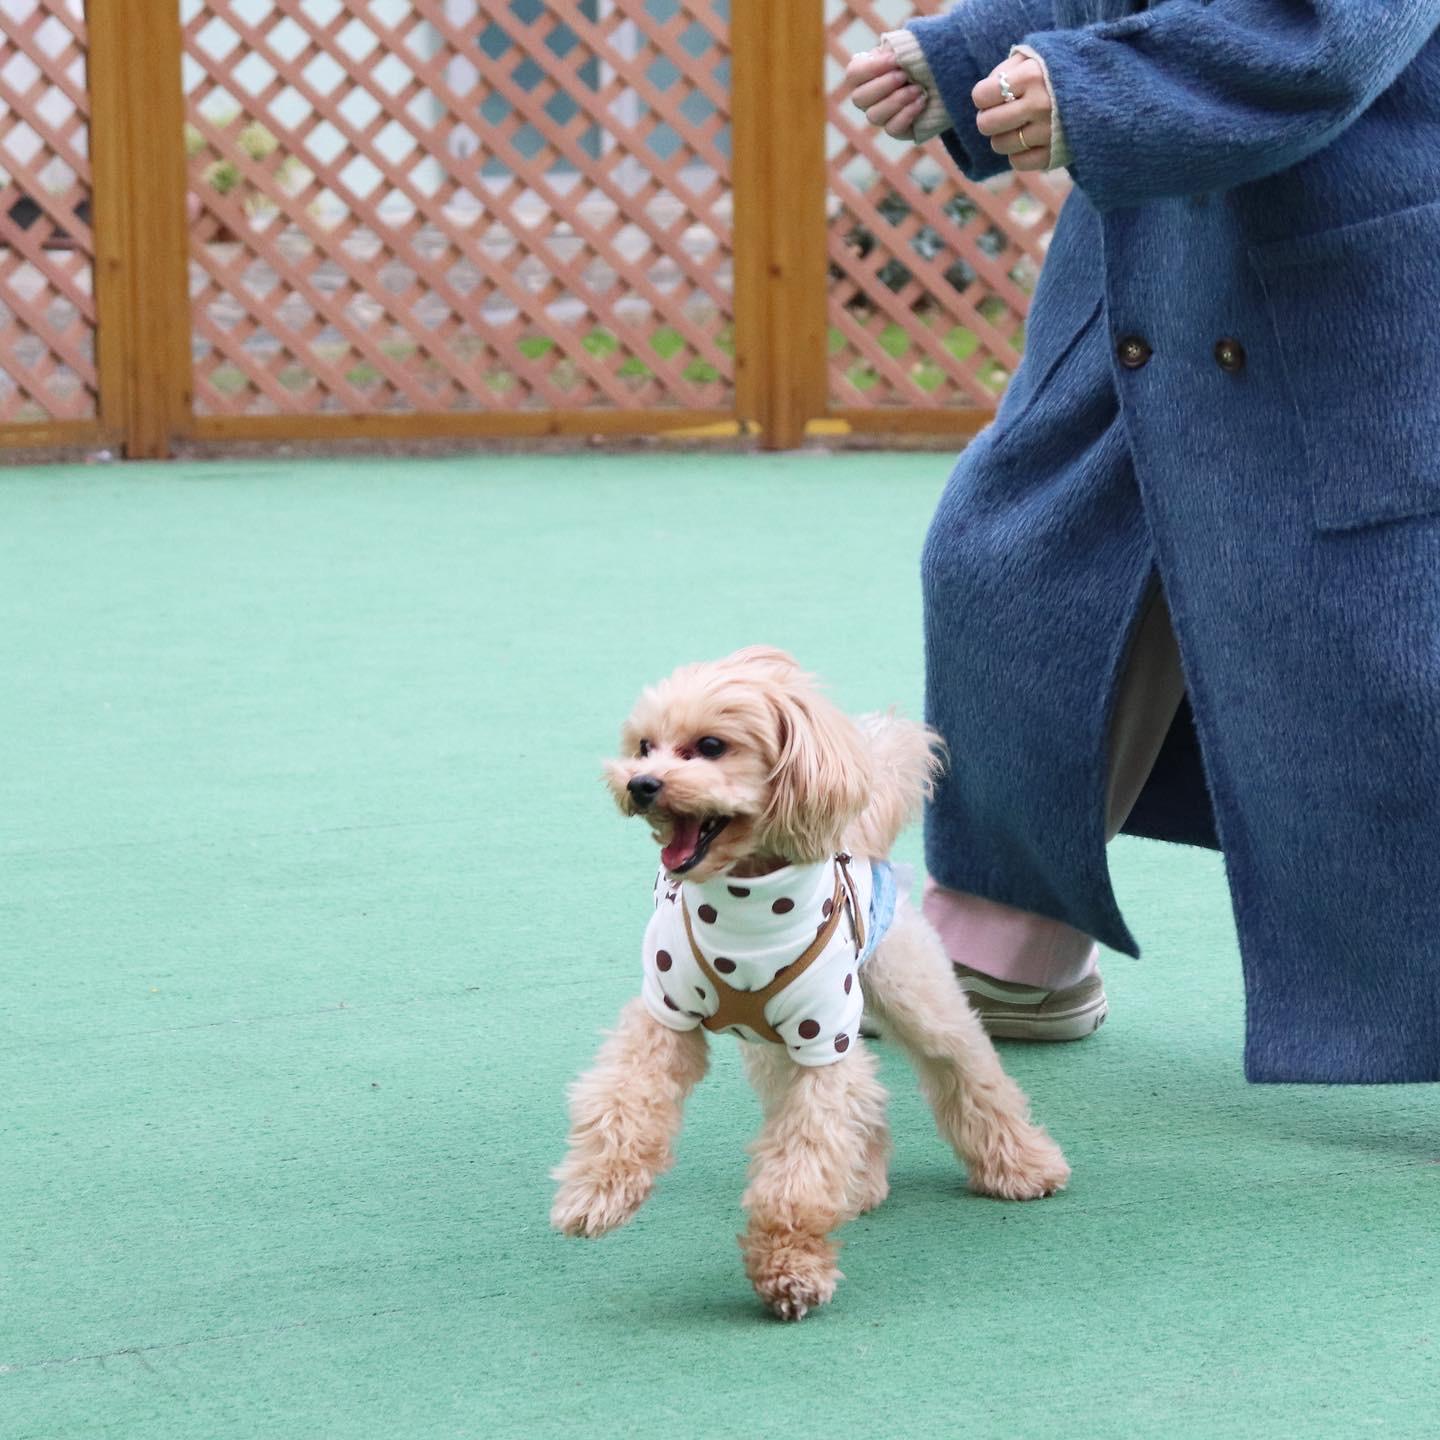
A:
{"points": [[663, 960], [825, 909], [783, 906], [708, 914], [724, 966], [781, 971], [809, 1029], [738, 891], [842, 1043], [669, 1003], [849, 981]]}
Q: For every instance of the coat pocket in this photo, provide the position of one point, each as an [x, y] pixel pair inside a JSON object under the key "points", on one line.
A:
{"points": [[1033, 411], [1357, 314]]}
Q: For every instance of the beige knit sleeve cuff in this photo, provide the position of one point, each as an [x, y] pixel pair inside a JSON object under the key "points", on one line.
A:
{"points": [[1060, 155], [934, 119]]}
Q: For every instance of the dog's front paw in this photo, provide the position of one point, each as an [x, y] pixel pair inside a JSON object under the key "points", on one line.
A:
{"points": [[1022, 1163], [792, 1271], [590, 1204]]}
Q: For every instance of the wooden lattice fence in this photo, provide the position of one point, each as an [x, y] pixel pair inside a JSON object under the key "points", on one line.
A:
{"points": [[47, 310], [360, 245], [407, 218], [930, 277]]}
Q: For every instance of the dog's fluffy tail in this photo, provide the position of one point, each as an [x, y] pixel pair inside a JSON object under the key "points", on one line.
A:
{"points": [[907, 759]]}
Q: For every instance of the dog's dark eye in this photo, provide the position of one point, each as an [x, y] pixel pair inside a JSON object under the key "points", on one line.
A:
{"points": [[710, 746], [644, 748]]}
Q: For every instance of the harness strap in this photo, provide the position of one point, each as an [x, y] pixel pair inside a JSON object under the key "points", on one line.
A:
{"points": [[842, 864], [747, 1007]]}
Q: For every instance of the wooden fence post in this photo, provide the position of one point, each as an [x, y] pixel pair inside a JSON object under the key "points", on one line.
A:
{"points": [[778, 119], [142, 287]]}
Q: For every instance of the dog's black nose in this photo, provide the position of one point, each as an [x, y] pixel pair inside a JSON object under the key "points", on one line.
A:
{"points": [[643, 790]]}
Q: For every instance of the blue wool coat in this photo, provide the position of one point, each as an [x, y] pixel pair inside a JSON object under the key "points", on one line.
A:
{"points": [[1264, 172]]}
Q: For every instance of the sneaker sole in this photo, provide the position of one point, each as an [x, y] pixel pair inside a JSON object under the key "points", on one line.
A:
{"points": [[1060, 1025], [1057, 1025]]}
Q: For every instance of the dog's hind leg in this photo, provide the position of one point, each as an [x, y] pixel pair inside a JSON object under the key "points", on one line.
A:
{"points": [[979, 1109], [625, 1113], [809, 1171]]}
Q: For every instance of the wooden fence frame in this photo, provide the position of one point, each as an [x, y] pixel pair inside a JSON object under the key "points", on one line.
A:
{"points": [[143, 342]]}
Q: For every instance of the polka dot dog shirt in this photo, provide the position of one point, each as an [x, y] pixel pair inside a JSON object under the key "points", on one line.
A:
{"points": [[769, 957]]}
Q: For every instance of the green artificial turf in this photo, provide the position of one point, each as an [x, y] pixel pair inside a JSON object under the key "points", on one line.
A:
{"points": [[312, 903]]}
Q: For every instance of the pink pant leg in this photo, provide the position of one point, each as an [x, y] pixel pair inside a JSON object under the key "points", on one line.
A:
{"points": [[1006, 943], [1026, 949]]}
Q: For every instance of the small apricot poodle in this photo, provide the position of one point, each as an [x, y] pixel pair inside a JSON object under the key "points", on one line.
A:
{"points": [[775, 813]]}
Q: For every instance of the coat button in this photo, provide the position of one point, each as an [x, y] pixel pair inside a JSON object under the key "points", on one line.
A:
{"points": [[1133, 352], [1230, 356]]}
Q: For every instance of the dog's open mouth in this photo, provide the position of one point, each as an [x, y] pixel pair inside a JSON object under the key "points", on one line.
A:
{"points": [[690, 838]]}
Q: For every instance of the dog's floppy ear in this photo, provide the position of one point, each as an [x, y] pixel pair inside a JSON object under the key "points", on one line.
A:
{"points": [[822, 775]]}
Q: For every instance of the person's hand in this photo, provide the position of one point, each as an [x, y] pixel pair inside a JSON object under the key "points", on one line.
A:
{"points": [[884, 92], [1018, 128]]}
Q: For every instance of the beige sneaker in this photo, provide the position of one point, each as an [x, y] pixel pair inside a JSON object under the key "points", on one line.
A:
{"points": [[1022, 1012]]}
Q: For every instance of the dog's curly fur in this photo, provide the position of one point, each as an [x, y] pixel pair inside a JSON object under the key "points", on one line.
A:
{"points": [[796, 782]]}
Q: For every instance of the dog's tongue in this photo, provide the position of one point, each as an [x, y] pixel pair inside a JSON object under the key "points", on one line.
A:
{"points": [[682, 842]]}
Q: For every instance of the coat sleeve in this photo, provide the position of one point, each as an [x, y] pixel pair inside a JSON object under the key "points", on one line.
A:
{"points": [[1198, 95], [962, 47]]}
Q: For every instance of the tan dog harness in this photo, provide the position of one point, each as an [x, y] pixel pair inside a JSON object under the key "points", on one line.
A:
{"points": [[747, 1007], [771, 958]]}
